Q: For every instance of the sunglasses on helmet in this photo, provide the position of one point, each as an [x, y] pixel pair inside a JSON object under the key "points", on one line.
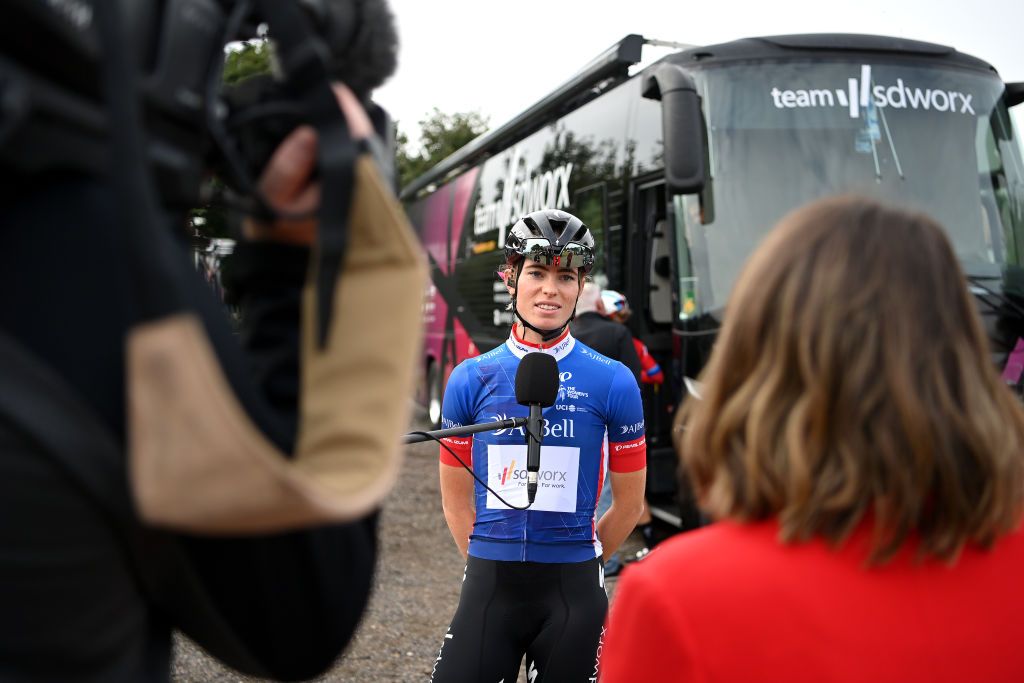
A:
{"points": [[572, 255]]}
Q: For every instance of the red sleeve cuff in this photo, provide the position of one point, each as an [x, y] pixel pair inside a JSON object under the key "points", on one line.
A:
{"points": [[628, 456], [463, 447]]}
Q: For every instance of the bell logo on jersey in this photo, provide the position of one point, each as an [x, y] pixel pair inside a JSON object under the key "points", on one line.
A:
{"points": [[634, 428], [564, 428], [488, 356], [597, 357], [500, 418], [449, 424]]}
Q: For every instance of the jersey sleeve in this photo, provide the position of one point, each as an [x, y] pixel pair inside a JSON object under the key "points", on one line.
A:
{"points": [[627, 445], [644, 638], [456, 412]]}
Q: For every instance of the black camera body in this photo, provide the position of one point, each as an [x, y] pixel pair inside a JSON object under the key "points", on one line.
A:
{"points": [[53, 108], [53, 116]]}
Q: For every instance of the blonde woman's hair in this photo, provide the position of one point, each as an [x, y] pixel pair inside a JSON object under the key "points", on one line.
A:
{"points": [[852, 381]]}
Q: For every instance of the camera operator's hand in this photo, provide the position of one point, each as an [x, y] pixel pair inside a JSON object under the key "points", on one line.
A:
{"points": [[287, 183]]}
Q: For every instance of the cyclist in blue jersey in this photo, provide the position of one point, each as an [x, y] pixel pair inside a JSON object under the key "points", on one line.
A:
{"points": [[534, 581]]}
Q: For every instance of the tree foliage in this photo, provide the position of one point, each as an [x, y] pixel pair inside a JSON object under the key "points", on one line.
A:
{"points": [[252, 58], [441, 135]]}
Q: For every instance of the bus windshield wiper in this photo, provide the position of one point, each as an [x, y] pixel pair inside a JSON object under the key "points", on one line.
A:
{"points": [[892, 144]]}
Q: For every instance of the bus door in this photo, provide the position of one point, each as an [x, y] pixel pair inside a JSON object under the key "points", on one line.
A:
{"points": [[649, 290]]}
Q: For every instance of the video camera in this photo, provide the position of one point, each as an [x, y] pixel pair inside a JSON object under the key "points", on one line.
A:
{"points": [[121, 104], [54, 113]]}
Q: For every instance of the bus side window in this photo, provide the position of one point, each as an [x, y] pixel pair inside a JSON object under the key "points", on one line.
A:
{"points": [[660, 303], [589, 207]]}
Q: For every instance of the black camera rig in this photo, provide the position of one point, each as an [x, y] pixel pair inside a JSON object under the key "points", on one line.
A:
{"points": [[130, 90], [55, 109]]}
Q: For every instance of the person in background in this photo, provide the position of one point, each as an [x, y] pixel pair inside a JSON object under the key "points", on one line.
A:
{"points": [[534, 581], [593, 328], [865, 466], [616, 307]]}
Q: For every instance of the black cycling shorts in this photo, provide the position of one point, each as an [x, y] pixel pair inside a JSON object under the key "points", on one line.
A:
{"points": [[552, 613]]}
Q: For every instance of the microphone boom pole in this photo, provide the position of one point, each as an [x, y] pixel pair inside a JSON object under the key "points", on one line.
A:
{"points": [[510, 423]]}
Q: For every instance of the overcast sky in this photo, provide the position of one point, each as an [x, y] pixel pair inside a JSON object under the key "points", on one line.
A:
{"points": [[500, 57]]}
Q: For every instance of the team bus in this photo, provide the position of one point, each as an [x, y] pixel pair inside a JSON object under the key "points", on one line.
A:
{"points": [[681, 167]]}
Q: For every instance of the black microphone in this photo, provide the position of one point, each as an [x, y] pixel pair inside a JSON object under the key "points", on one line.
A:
{"points": [[536, 387]]}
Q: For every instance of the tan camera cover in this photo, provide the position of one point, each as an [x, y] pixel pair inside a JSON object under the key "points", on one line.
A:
{"points": [[199, 464]]}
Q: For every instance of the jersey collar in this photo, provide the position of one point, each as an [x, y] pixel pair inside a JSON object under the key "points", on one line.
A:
{"points": [[559, 348]]}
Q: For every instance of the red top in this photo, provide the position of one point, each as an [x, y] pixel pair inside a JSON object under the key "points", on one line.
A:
{"points": [[731, 603], [650, 371]]}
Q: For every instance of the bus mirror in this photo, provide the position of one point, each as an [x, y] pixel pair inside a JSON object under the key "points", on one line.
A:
{"points": [[1014, 94], [682, 127]]}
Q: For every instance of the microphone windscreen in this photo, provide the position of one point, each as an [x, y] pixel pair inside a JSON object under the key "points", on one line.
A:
{"points": [[537, 380]]}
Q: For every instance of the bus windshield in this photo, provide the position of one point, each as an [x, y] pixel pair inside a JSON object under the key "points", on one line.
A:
{"points": [[781, 134]]}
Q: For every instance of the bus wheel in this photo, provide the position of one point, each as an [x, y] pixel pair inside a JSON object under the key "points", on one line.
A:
{"points": [[434, 395]]}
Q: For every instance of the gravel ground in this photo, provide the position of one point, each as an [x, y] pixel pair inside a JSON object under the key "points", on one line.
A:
{"points": [[416, 589]]}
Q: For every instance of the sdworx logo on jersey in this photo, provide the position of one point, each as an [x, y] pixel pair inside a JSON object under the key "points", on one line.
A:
{"points": [[556, 480]]}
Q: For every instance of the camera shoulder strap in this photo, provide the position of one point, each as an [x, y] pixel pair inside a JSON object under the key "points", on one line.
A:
{"points": [[303, 56]]}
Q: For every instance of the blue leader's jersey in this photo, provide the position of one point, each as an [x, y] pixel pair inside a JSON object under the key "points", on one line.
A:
{"points": [[598, 403]]}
